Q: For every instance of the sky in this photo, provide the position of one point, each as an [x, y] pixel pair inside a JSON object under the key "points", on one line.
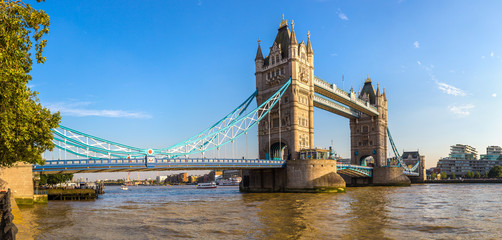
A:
{"points": [[153, 73]]}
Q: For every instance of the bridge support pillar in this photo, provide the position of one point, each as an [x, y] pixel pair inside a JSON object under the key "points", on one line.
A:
{"points": [[263, 180], [390, 176], [19, 178], [306, 176]]}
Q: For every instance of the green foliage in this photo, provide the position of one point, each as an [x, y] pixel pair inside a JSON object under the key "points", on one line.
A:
{"points": [[443, 175], [434, 176], [453, 176], [53, 179], [25, 125], [469, 174], [495, 172], [477, 175]]}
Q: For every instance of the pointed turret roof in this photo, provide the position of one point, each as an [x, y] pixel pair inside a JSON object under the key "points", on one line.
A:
{"points": [[368, 89], [259, 55], [309, 45], [282, 38]]}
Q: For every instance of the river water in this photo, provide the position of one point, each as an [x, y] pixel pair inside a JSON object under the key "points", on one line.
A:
{"points": [[429, 211]]}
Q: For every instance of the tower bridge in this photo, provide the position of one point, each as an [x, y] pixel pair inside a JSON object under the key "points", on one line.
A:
{"points": [[287, 92]]}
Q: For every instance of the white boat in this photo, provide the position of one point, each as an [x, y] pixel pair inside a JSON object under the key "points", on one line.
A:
{"points": [[124, 187], [206, 185], [231, 182]]}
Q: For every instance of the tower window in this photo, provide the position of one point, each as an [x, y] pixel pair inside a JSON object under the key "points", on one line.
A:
{"points": [[282, 71], [275, 122]]}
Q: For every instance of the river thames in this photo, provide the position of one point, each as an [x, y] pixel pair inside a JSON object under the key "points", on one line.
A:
{"points": [[428, 211]]}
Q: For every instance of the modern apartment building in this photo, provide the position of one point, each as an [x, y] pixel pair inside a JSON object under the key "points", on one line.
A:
{"points": [[463, 159]]}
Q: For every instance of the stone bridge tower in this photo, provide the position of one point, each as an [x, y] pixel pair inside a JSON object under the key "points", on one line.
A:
{"points": [[286, 130], [368, 140], [368, 135], [289, 127]]}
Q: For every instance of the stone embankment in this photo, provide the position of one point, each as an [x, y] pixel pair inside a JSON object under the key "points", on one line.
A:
{"points": [[481, 180], [8, 229]]}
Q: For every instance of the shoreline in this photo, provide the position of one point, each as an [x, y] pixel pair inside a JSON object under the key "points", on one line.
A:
{"points": [[498, 180]]}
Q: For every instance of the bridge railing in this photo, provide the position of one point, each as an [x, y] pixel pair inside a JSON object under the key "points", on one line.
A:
{"points": [[159, 161]]}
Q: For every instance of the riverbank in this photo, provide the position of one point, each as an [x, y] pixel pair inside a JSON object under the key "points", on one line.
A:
{"points": [[481, 180], [72, 194]]}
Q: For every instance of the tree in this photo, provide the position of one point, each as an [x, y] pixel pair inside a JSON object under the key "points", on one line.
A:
{"points": [[53, 179], [443, 175], [495, 172], [453, 175], [477, 175], [469, 174], [25, 125], [434, 176]]}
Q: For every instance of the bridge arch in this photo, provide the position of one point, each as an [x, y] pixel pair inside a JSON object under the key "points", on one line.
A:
{"points": [[279, 150], [367, 161]]}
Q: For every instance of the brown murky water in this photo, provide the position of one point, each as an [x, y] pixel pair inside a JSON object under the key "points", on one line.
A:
{"points": [[432, 211]]}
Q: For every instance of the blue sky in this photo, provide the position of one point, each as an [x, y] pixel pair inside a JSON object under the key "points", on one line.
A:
{"points": [[153, 73]]}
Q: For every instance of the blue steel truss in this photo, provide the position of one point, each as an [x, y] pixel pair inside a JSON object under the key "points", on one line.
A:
{"points": [[231, 126], [407, 170]]}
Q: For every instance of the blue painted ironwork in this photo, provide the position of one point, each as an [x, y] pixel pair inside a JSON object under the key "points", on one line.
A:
{"points": [[354, 170], [224, 131], [398, 156], [151, 163], [226, 134]]}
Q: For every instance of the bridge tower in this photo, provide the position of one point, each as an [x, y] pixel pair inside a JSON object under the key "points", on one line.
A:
{"points": [[289, 127], [368, 134], [368, 139], [293, 128]]}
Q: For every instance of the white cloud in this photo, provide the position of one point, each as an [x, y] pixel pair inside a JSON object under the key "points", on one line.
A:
{"points": [[417, 44], [342, 15], [334, 54], [77, 109], [462, 110], [492, 54], [483, 57], [419, 63], [449, 89], [494, 95]]}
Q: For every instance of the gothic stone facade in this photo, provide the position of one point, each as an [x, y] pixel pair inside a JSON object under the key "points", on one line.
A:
{"points": [[368, 135], [290, 126]]}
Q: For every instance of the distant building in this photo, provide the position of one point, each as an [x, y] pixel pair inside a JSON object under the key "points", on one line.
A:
{"points": [[463, 159], [492, 153], [183, 177], [463, 152], [411, 159], [161, 179]]}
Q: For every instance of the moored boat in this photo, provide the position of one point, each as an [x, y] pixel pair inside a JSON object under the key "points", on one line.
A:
{"points": [[124, 187]]}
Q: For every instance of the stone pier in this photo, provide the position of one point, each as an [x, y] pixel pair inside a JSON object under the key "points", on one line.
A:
{"points": [[390, 176], [19, 179], [310, 176]]}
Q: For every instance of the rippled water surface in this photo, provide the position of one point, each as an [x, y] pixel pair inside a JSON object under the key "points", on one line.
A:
{"points": [[432, 211]]}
